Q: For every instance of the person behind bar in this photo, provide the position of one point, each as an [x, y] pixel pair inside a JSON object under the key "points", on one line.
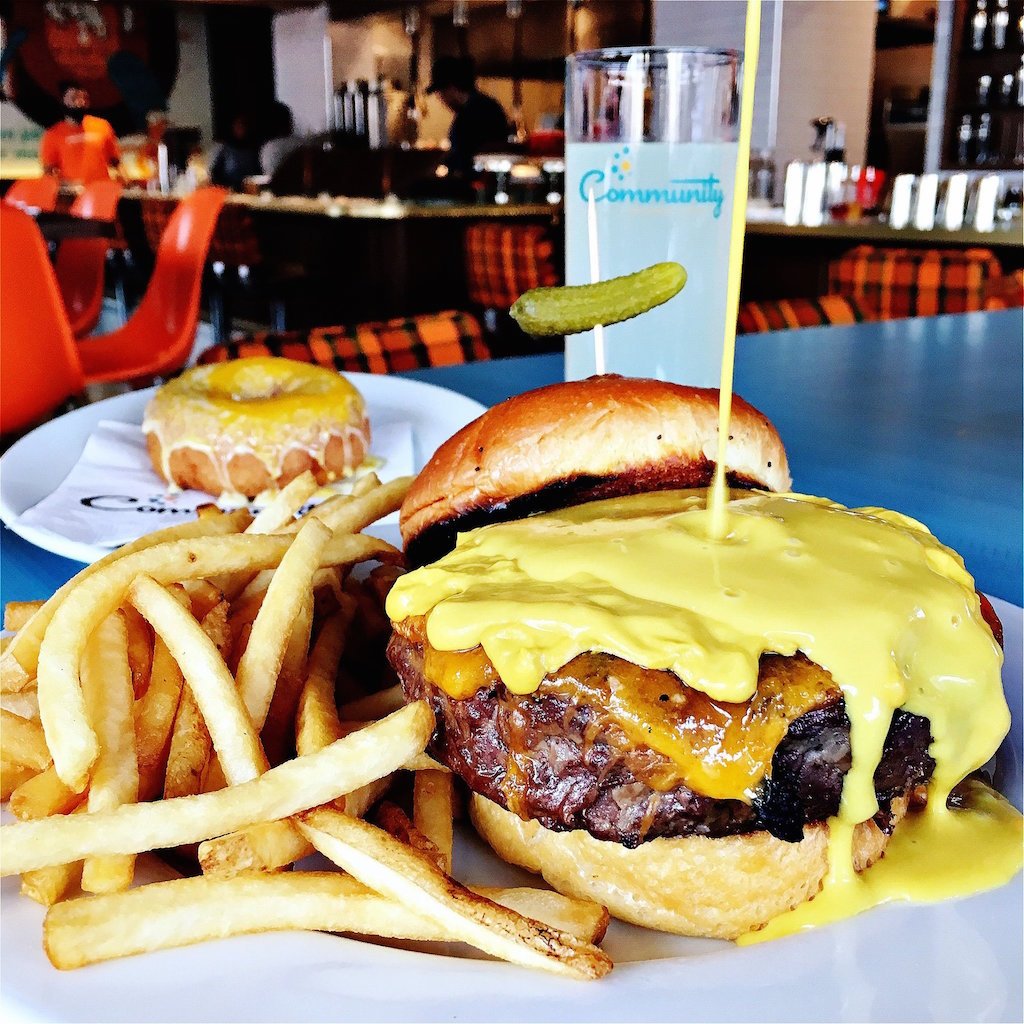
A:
{"points": [[80, 148], [480, 122]]}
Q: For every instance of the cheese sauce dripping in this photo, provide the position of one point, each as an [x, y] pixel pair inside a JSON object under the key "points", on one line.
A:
{"points": [[869, 595]]}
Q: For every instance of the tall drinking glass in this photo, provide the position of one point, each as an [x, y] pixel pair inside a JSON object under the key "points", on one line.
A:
{"points": [[651, 137]]}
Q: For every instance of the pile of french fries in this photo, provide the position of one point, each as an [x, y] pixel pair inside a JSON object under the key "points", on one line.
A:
{"points": [[182, 694]]}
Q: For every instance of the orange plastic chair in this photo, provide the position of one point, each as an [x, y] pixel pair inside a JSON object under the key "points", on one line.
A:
{"points": [[39, 366], [158, 338], [40, 193], [82, 262]]}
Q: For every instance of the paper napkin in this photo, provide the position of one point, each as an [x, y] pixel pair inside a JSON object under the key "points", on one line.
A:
{"points": [[112, 495]]}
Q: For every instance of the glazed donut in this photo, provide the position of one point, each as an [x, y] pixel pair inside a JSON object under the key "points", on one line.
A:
{"points": [[252, 425]]}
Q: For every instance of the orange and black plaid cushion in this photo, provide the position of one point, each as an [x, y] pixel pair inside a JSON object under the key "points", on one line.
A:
{"points": [[505, 260], [1006, 292], [914, 282], [756, 317], [431, 339]]}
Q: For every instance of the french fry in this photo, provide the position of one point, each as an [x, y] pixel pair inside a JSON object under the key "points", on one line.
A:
{"points": [[294, 786], [17, 613], [42, 796], [253, 593], [278, 734], [12, 776], [395, 822], [154, 720], [587, 921], [432, 812], [394, 870], [140, 647], [238, 748], [203, 597], [273, 845], [107, 686], [316, 723], [22, 741], [50, 885], [285, 505], [373, 706], [189, 910], [19, 662], [359, 511], [365, 484], [189, 750], [24, 704], [260, 665], [71, 740]]}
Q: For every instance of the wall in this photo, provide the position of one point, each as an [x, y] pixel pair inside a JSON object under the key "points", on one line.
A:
{"points": [[827, 64], [189, 102], [302, 74], [823, 59], [720, 23]]}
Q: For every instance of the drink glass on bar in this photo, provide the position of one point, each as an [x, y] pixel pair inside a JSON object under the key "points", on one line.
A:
{"points": [[651, 138]]}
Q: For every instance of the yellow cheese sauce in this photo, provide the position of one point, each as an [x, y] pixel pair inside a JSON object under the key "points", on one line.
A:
{"points": [[264, 407], [869, 595], [935, 855]]}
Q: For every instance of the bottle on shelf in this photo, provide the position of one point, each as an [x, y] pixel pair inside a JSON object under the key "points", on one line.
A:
{"points": [[1020, 83], [979, 25], [964, 139], [984, 90], [1000, 24], [1006, 90], [983, 141]]}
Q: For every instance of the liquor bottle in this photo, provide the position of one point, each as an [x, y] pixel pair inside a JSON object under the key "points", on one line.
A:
{"points": [[1006, 90], [983, 149], [984, 90], [1000, 24], [1020, 83], [979, 25], [964, 138]]}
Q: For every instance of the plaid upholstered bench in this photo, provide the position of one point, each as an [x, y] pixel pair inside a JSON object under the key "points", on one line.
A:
{"points": [[914, 282], [386, 346], [756, 317]]}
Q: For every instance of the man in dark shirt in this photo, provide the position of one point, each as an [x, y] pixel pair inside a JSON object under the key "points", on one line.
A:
{"points": [[480, 123]]}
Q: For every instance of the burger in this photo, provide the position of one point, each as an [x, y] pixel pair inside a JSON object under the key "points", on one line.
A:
{"points": [[656, 719]]}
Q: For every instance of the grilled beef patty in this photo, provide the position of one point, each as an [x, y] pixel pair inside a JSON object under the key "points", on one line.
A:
{"points": [[555, 758]]}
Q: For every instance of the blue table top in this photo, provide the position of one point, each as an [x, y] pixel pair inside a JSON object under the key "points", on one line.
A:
{"points": [[923, 416]]}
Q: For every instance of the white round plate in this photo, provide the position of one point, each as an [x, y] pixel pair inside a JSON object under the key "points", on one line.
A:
{"points": [[953, 961], [34, 466]]}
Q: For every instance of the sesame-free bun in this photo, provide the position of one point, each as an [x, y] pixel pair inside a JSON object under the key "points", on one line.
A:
{"points": [[579, 441], [713, 888]]}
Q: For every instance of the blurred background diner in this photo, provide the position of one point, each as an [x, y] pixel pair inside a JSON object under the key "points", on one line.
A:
{"points": [[393, 173]]}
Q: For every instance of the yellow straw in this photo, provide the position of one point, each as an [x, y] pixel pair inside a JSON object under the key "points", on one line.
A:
{"points": [[751, 43]]}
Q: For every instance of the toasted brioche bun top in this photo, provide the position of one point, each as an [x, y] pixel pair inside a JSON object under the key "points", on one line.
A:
{"points": [[579, 441]]}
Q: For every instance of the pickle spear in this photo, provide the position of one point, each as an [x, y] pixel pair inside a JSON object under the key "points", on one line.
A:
{"points": [[569, 310]]}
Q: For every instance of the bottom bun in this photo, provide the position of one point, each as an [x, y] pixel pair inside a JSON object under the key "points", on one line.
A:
{"points": [[713, 888]]}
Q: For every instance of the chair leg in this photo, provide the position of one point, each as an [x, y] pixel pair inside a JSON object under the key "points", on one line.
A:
{"points": [[278, 316], [115, 261], [218, 303]]}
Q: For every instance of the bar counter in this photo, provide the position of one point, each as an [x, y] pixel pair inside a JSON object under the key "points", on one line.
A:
{"points": [[362, 259]]}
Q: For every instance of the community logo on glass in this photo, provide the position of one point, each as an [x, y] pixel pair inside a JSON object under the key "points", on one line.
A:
{"points": [[703, 191]]}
